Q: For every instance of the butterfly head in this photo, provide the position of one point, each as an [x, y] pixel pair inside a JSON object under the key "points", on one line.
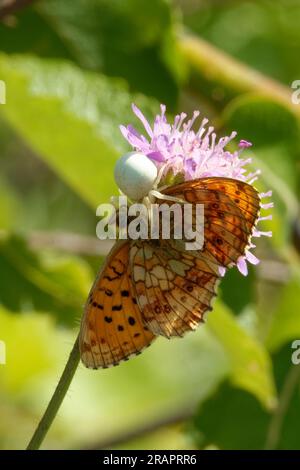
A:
{"points": [[135, 174]]}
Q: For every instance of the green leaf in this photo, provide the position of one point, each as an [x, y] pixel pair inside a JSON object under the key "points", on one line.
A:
{"points": [[129, 39], [9, 205], [126, 39], [71, 119], [90, 26], [43, 281], [31, 32], [251, 367], [237, 291], [31, 348], [271, 122], [231, 419], [274, 131], [149, 387], [285, 324], [271, 127], [272, 46], [284, 428]]}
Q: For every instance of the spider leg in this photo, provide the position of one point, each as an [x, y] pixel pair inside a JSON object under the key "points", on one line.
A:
{"points": [[159, 195], [159, 176]]}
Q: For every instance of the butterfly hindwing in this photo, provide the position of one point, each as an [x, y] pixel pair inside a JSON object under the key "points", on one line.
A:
{"points": [[173, 288]]}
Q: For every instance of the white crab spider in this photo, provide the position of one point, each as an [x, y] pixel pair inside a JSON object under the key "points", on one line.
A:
{"points": [[135, 175], [138, 179]]}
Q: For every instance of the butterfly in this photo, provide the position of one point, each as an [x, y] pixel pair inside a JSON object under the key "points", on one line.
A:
{"points": [[149, 288]]}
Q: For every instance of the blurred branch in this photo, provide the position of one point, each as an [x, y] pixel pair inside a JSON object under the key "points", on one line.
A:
{"points": [[57, 399], [147, 428], [283, 189], [68, 242], [215, 72], [74, 243], [274, 270], [9, 7], [191, 6], [288, 389]]}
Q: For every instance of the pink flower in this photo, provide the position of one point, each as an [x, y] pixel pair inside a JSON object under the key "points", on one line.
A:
{"points": [[195, 154]]}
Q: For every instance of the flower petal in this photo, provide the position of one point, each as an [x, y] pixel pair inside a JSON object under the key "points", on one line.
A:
{"points": [[142, 118], [242, 266]]}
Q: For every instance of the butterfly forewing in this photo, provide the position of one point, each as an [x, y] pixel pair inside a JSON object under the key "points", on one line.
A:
{"points": [[112, 328], [231, 210]]}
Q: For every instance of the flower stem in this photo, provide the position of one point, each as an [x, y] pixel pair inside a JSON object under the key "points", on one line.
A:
{"points": [[57, 398]]}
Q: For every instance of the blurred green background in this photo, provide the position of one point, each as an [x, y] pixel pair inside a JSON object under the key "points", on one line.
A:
{"points": [[72, 70]]}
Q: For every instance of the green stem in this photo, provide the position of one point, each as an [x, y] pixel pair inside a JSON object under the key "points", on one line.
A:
{"points": [[57, 398], [288, 390], [221, 78]]}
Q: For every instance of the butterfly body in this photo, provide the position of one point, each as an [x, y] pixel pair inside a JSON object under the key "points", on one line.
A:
{"points": [[150, 287]]}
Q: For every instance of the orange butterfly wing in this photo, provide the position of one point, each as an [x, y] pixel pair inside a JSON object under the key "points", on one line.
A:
{"points": [[163, 289], [174, 287], [112, 329], [231, 210]]}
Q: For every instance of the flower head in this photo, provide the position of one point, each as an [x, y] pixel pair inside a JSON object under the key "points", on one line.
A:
{"points": [[179, 149]]}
